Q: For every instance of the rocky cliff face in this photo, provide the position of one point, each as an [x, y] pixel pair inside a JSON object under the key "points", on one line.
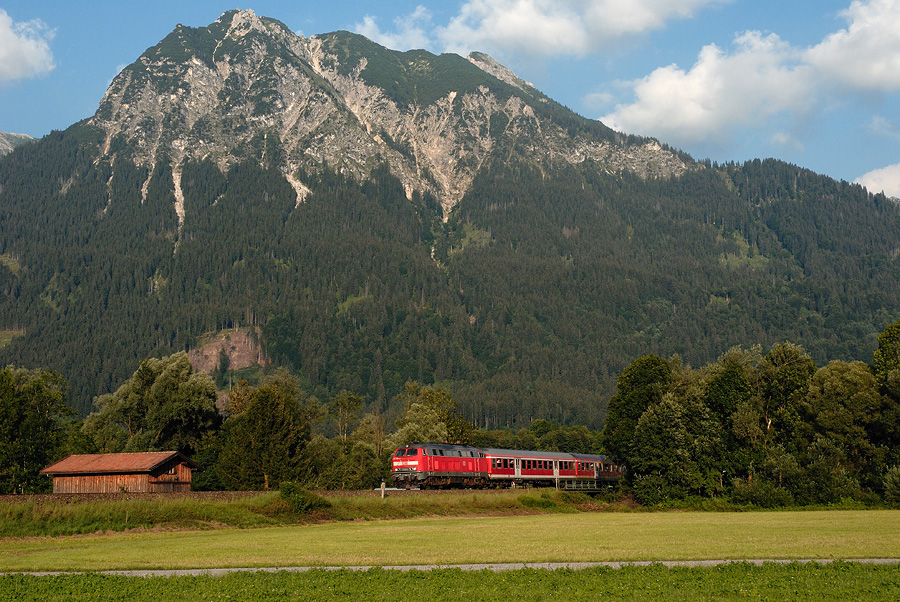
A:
{"points": [[248, 87], [11, 141]]}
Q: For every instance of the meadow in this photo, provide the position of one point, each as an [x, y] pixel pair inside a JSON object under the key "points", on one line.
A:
{"points": [[459, 528]]}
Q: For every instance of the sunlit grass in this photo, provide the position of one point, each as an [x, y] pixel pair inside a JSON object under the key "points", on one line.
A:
{"points": [[838, 581], [544, 538]]}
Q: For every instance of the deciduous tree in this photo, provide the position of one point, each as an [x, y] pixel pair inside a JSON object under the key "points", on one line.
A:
{"points": [[32, 406], [165, 405]]}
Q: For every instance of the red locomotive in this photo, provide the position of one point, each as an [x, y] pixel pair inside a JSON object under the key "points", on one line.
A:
{"points": [[439, 465]]}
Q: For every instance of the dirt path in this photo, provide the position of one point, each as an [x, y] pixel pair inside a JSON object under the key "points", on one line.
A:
{"points": [[497, 568]]}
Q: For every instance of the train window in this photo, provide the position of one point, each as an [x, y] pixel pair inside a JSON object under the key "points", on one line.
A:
{"points": [[400, 452], [412, 452], [505, 462]]}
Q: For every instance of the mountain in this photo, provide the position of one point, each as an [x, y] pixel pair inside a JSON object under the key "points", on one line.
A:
{"points": [[247, 86], [11, 141], [369, 216]]}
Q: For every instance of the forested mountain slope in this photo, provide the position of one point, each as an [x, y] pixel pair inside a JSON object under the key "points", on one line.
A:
{"points": [[385, 216]]}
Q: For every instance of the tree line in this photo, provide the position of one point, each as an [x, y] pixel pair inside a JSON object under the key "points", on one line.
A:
{"points": [[252, 438], [769, 429]]}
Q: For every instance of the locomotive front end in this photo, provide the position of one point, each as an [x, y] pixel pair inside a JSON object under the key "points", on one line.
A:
{"points": [[408, 467]]}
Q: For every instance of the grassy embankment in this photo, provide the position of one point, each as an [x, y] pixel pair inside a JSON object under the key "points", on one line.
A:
{"points": [[63, 515]]}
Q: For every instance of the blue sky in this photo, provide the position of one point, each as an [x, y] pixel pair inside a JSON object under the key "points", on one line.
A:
{"points": [[812, 82]]}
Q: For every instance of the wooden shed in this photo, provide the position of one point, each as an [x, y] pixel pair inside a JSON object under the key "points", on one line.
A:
{"points": [[145, 472]]}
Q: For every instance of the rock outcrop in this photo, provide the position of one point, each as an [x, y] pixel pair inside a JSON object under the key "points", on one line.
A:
{"points": [[10, 141]]}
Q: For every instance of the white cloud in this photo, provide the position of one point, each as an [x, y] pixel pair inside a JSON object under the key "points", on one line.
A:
{"points": [[558, 27], [767, 84], [24, 49], [410, 31], [760, 79], [865, 55], [885, 180], [883, 127]]}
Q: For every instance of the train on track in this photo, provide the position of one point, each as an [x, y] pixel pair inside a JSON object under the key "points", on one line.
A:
{"points": [[441, 465]]}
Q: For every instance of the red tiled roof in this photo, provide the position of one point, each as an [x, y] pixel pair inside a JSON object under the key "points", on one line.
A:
{"points": [[113, 463]]}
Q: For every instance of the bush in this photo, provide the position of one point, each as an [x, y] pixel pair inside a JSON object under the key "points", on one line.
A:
{"points": [[761, 493], [892, 485], [300, 500], [574, 497], [544, 502]]}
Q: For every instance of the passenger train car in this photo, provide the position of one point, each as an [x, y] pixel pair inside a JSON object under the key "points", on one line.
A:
{"points": [[439, 465]]}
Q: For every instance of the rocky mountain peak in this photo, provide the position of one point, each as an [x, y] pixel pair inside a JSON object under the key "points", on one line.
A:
{"points": [[247, 87], [489, 65], [10, 141]]}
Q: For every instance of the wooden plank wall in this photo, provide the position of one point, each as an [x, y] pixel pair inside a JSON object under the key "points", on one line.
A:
{"points": [[168, 483], [110, 483]]}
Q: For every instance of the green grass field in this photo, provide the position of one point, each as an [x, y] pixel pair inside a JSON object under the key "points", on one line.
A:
{"points": [[582, 537], [839, 581], [457, 528]]}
